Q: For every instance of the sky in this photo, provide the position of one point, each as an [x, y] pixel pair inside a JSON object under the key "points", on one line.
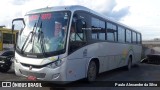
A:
{"points": [[142, 15]]}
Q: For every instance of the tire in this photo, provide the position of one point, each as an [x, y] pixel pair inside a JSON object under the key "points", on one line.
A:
{"points": [[92, 71], [6, 66], [129, 65]]}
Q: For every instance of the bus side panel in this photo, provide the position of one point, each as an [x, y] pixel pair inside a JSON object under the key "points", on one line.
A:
{"points": [[110, 55], [76, 65], [117, 54], [111, 52], [137, 49], [75, 69]]}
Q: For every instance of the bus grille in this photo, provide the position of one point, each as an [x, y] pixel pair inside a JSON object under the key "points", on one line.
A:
{"points": [[34, 66], [37, 75]]}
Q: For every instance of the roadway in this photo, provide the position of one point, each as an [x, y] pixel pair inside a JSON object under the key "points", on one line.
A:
{"points": [[142, 72]]}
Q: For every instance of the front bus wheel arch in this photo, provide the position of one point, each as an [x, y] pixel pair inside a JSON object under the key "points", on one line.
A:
{"points": [[92, 71]]}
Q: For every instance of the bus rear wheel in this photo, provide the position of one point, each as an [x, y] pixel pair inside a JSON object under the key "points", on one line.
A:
{"points": [[129, 63], [92, 71]]}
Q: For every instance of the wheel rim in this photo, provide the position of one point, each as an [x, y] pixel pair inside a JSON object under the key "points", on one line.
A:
{"points": [[92, 70]]}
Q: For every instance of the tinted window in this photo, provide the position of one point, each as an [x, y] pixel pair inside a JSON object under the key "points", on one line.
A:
{"points": [[139, 38], [121, 34], [95, 27], [95, 23], [128, 36], [102, 32], [111, 32], [134, 37]]}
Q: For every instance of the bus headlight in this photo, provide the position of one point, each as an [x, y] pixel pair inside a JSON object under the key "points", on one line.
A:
{"points": [[55, 64]]}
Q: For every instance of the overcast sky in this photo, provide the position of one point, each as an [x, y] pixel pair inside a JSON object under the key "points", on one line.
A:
{"points": [[142, 15]]}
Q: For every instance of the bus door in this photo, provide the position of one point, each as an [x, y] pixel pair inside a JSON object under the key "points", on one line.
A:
{"points": [[77, 51]]}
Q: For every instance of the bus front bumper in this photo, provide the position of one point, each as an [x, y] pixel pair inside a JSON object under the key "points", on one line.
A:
{"points": [[45, 73]]}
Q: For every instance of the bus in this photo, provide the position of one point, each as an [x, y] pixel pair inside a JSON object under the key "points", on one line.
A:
{"points": [[68, 43]]}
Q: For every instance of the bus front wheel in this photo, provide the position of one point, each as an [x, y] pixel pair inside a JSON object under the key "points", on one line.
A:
{"points": [[92, 71]]}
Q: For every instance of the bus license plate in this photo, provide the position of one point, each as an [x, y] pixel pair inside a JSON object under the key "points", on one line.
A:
{"points": [[33, 78]]}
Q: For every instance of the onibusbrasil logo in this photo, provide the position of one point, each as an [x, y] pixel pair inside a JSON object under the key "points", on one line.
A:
{"points": [[21, 84]]}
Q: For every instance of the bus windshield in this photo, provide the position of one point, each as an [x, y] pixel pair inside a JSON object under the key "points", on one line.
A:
{"points": [[44, 32]]}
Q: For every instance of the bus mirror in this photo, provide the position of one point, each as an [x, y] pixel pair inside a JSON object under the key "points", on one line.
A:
{"points": [[20, 32], [79, 26], [12, 27], [17, 21]]}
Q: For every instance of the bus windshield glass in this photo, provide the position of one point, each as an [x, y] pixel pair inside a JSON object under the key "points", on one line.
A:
{"points": [[44, 32]]}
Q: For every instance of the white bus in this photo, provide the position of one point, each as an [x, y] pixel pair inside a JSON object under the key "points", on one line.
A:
{"points": [[68, 43]]}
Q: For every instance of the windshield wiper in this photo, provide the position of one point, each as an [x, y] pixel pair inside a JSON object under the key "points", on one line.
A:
{"points": [[41, 38], [28, 38]]}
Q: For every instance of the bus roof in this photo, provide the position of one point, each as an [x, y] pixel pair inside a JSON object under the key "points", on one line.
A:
{"points": [[73, 8]]}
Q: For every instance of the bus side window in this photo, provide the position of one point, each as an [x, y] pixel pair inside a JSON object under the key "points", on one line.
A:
{"points": [[111, 32]]}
